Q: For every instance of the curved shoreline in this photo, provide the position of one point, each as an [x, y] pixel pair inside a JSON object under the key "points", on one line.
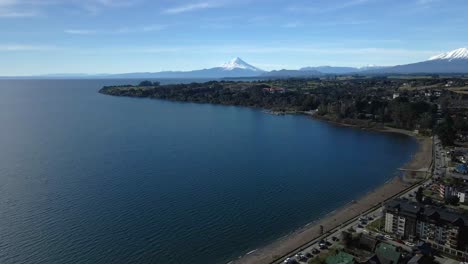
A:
{"points": [[286, 244], [281, 247]]}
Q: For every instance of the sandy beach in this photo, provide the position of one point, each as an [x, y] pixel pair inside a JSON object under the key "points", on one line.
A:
{"points": [[420, 162]]}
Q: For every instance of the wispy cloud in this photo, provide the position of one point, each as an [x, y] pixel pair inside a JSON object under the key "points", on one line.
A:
{"points": [[303, 49], [11, 13], [122, 30], [16, 8], [189, 7], [94, 7], [80, 31], [426, 2], [22, 47], [328, 8], [291, 25]]}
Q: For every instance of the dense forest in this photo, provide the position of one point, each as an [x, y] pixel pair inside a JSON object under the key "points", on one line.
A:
{"points": [[365, 102]]}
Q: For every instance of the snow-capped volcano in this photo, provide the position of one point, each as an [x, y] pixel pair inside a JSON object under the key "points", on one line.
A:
{"points": [[238, 63], [458, 54]]}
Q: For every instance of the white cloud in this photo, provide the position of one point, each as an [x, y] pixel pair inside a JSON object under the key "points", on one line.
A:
{"points": [[22, 47], [94, 7], [425, 2], [80, 31], [328, 8], [16, 8], [9, 13], [189, 7], [291, 25], [153, 28], [8, 2], [122, 30]]}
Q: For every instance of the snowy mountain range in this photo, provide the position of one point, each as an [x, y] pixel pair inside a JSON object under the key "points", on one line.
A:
{"points": [[232, 69], [455, 61], [238, 63], [458, 54]]}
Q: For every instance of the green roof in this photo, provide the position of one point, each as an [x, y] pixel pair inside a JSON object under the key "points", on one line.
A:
{"points": [[387, 254], [340, 258]]}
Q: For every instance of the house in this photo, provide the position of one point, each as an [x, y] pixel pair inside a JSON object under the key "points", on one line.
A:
{"points": [[461, 168], [387, 254], [274, 90], [367, 242]]}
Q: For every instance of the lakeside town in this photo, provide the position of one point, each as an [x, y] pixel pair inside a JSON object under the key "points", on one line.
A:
{"points": [[420, 217]]}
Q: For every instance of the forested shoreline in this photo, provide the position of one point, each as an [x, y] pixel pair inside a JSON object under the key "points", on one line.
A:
{"points": [[363, 102]]}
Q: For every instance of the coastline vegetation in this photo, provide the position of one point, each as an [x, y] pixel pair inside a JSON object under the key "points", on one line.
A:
{"points": [[410, 104]]}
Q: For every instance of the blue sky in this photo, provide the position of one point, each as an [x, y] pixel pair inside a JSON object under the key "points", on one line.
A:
{"points": [[115, 36]]}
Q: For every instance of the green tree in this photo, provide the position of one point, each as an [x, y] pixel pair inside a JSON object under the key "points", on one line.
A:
{"points": [[145, 83], [419, 194]]}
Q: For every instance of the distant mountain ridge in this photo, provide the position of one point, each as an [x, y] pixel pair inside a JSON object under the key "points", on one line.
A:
{"points": [[234, 68], [455, 61]]}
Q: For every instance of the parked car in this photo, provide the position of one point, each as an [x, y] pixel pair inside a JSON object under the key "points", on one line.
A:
{"points": [[323, 247], [315, 251], [409, 244], [334, 238]]}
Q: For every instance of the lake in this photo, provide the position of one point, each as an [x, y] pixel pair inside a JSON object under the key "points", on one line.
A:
{"points": [[91, 178]]}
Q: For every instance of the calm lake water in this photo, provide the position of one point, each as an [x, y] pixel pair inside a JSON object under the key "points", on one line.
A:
{"points": [[90, 178]]}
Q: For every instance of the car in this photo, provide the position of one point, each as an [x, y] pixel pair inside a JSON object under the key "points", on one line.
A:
{"points": [[315, 251], [334, 238], [360, 226], [388, 237], [370, 218], [409, 244], [328, 243], [323, 247], [309, 255], [290, 261], [380, 237]]}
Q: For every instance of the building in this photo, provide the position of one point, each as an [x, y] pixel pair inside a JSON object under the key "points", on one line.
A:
{"points": [[447, 191], [387, 254], [413, 221]]}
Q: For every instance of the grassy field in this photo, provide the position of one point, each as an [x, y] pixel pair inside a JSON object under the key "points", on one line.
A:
{"points": [[376, 224]]}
